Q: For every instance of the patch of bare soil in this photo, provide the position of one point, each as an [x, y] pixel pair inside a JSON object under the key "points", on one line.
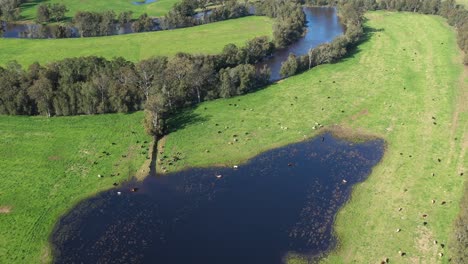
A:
{"points": [[351, 134], [5, 209], [362, 113], [54, 158]]}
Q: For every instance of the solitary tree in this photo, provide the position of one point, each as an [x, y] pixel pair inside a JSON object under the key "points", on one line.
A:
{"points": [[155, 115], [57, 11], [43, 13]]}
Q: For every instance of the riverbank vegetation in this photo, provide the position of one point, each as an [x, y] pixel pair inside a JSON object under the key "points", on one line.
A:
{"points": [[391, 86], [205, 39], [49, 164]]}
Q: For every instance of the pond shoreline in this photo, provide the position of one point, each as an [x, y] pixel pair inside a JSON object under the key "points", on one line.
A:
{"points": [[142, 189]]}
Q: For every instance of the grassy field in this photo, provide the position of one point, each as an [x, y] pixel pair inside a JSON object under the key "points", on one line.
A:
{"points": [[463, 2], [207, 39], [405, 84], [49, 164], [156, 9]]}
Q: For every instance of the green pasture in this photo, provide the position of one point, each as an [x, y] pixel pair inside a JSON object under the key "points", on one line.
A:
{"points": [[49, 164], [204, 39]]}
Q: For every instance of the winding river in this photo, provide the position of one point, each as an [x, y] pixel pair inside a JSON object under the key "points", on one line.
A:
{"points": [[323, 26]]}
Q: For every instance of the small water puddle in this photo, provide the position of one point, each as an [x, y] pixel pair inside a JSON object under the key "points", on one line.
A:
{"points": [[143, 2], [281, 201]]}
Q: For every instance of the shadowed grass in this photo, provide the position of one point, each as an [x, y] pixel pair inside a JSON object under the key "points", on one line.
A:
{"points": [[206, 39], [392, 86]]}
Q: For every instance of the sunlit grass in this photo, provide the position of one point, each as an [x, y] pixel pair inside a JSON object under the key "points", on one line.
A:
{"points": [[49, 164]]}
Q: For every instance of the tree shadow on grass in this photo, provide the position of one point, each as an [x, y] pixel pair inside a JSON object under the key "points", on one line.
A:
{"points": [[29, 5], [369, 33], [183, 118]]}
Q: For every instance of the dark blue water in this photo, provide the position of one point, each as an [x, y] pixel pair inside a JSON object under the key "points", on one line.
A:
{"points": [[323, 25], [284, 200]]}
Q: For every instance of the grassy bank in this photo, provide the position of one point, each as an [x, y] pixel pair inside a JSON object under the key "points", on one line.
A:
{"points": [[47, 165], [403, 84], [158, 8], [206, 39]]}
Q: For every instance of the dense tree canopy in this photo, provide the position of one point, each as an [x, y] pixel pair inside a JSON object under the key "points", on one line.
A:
{"points": [[10, 10]]}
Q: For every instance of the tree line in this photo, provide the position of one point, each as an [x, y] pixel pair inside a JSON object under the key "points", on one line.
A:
{"points": [[93, 85]]}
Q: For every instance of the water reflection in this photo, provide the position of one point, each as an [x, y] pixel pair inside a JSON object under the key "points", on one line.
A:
{"points": [[323, 26], [281, 201]]}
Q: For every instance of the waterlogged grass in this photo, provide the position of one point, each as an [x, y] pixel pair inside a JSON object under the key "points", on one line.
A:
{"points": [[404, 85], [48, 165], [206, 39], [156, 9]]}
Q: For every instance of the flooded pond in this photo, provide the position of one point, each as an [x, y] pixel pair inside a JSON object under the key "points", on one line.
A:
{"points": [[323, 26], [281, 201]]}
